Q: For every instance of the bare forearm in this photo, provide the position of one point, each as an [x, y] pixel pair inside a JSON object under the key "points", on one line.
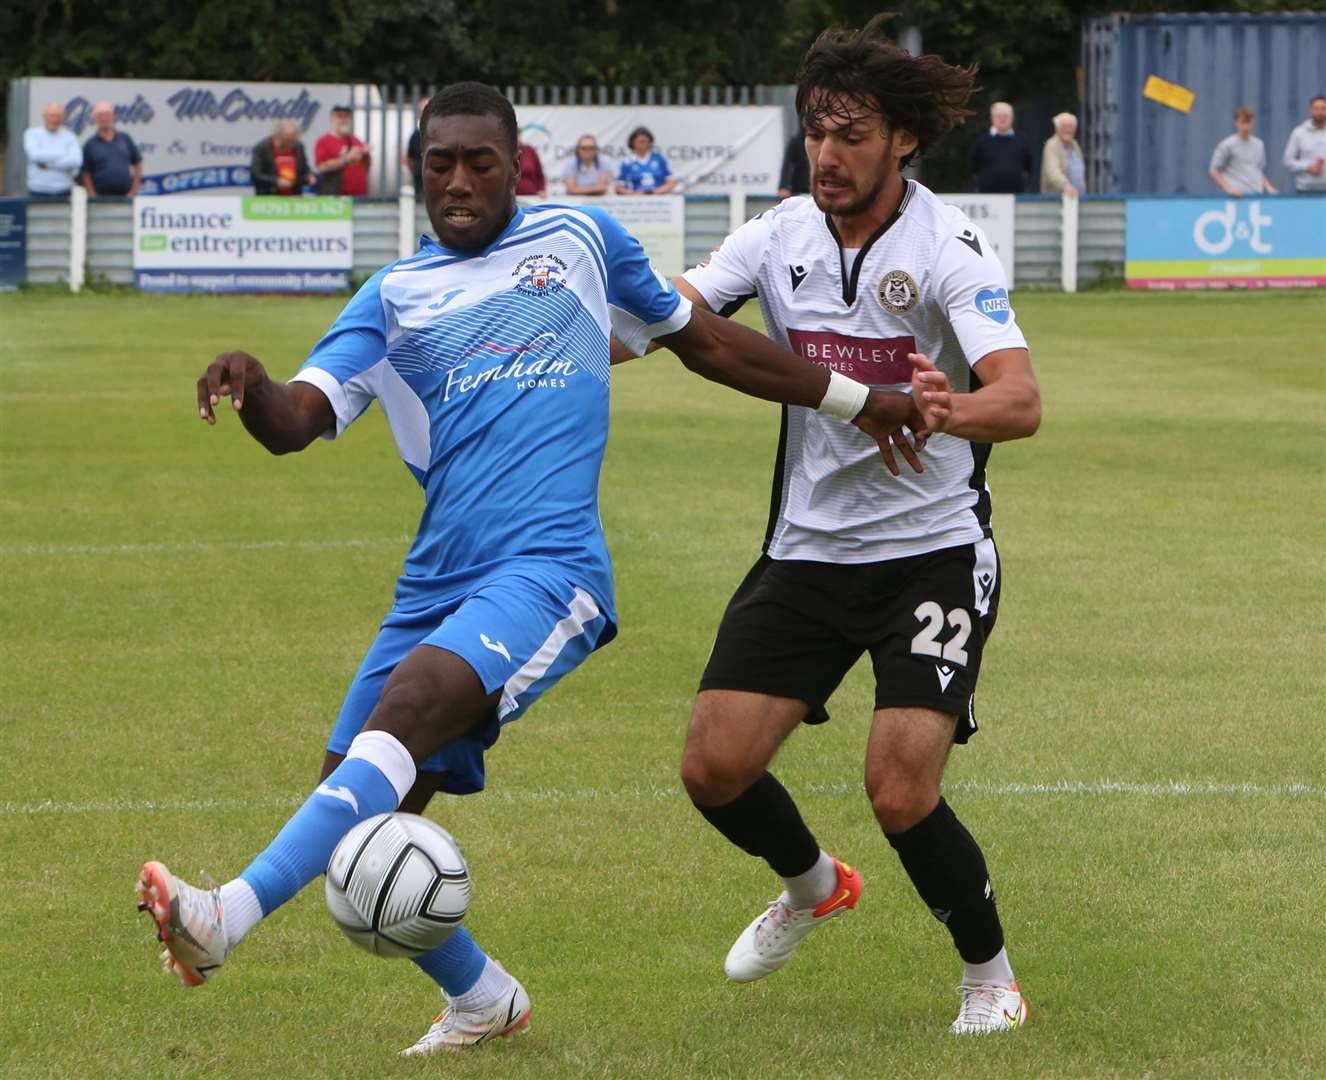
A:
{"points": [[282, 416], [1007, 409], [729, 353]]}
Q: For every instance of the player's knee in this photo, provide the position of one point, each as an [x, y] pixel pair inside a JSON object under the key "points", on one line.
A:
{"points": [[712, 780], [900, 803]]}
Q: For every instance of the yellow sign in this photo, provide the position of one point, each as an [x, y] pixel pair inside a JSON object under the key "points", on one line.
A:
{"points": [[1168, 93]]}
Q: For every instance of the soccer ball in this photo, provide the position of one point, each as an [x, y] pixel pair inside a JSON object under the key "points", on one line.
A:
{"points": [[398, 885]]}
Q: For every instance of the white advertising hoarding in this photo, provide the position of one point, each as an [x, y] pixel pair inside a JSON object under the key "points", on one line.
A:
{"points": [[194, 135], [242, 243], [710, 148], [994, 214]]}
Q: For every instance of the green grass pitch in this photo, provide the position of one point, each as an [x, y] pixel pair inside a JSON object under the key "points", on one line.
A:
{"points": [[181, 614]]}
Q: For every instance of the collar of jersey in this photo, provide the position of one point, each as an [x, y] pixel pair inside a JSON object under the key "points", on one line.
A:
{"points": [[429, 245]]}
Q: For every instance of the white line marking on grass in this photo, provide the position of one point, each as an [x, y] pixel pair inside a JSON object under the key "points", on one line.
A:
{"points": [[1075, 788], [190, 547]]}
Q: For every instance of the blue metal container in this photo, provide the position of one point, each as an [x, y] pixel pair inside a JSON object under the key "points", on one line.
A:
{"points": [[1273, 63]]}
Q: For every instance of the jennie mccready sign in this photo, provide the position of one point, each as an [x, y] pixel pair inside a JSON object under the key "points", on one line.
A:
{"points": [[242, 243], [193, 135]]}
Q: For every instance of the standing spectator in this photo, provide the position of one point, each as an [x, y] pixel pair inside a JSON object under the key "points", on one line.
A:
{"points": [[646, 171], [413, 158], [54, 156], [1063, 168], [279, 165], [586, 173], [342, 157], [112, 164], [1305, 153], [1238, 165], [795, 176], [1001, 159], [531, 180]]}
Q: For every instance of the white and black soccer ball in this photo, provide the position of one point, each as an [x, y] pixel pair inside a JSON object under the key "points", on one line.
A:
{"points": [[398, 885]]}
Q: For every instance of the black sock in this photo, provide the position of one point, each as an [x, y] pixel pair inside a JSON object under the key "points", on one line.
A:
{"points": [[764, 821], [948, 870]]}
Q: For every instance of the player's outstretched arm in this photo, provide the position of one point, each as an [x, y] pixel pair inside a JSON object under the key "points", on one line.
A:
{"points": [[727, 352], [1007, 405], [284, 417]]}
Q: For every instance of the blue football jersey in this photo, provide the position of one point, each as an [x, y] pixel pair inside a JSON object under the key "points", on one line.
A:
{"points": [[493, 368]]}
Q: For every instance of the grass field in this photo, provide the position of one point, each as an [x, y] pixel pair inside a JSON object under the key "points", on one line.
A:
{"points": [[181, 614]]}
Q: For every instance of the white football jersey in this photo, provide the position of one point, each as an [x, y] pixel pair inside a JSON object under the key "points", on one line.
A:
{"points": [[927, 281]]}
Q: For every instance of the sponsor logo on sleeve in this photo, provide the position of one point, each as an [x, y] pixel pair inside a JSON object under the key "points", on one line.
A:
{"points": [[969, 237], [898, 293], [993, 304], [798, 273]]}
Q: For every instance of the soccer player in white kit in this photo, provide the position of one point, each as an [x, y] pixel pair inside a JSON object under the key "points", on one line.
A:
{"points": [[873, 277]]}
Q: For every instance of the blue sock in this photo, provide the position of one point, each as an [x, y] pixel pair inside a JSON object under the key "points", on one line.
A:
{"points": [[358, 789], [456, 964]]}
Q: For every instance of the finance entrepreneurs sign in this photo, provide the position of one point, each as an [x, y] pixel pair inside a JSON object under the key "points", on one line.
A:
{"points": [[242, 243], [1219, 243]]}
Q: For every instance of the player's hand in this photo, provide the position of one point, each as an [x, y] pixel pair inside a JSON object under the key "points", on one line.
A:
{"points": [[930, 392], [229, 374], [886, 418]]}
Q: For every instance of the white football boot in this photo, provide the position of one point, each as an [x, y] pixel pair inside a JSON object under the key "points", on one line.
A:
{"points": [[190, 923], [769, 942], [455, 1029], [986, 1009]]}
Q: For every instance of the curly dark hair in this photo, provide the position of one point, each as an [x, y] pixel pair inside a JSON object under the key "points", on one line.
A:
{"points": [[920, 94], [473, 99]]}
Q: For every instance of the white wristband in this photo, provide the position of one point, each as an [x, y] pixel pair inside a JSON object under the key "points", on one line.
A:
{"points": [[845, 398]]}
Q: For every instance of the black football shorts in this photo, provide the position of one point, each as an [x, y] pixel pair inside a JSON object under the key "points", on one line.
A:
{"points": [[794, 628]]}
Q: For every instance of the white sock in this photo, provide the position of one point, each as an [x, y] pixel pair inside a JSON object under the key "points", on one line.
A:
{"points": [[493, 983], [242, 910], [994, 972], [812, 888], [383, 750]]}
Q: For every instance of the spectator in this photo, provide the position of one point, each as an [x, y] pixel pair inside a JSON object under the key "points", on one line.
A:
{"points": [[1305, 153], [54, 156], [413, 158], [342, 158], [1063, 169], [646, 171], [585, 172], [795, 176], [1238, 165], [531, 180], [279, 165], [1000, 159], [112, 164]]}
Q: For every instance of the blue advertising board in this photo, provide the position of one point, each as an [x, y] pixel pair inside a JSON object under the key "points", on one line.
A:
{"points": [[13, 242], [1217, 243]]}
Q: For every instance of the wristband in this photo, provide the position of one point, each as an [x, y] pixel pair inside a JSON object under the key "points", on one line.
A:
{"points": [[845, 398]]}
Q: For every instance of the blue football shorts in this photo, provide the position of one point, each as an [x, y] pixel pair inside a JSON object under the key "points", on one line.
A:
{"points": [[519, 632]]}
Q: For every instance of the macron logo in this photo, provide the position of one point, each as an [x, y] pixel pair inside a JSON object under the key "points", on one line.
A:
{"points": [[342, 793], [496, 646]]}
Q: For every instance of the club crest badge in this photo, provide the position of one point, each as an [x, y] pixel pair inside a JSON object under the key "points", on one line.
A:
{"points": [[540, 275], [898, 294]]}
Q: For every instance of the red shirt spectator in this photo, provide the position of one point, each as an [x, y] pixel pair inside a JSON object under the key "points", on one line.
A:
{"points": [[342, 158], [531, 180]]}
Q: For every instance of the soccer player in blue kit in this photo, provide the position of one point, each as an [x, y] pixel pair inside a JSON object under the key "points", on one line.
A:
{"points": [[489, 352]]}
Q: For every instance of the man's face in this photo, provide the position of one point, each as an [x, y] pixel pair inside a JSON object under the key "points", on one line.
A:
{"points": [[285, 136], [341, 123], [1067, 129], [1243, 126], [104, 118], [1317, 110], [641, 145], [469, 179], [1001, 120], [52, 116], [852, 156]]}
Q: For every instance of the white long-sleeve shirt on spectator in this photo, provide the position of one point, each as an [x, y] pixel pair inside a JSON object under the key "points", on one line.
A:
{"points": [[1307, 143], [54, 158]]}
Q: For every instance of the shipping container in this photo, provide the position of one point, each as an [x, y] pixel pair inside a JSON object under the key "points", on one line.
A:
{"points": [[1274, 63]]}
